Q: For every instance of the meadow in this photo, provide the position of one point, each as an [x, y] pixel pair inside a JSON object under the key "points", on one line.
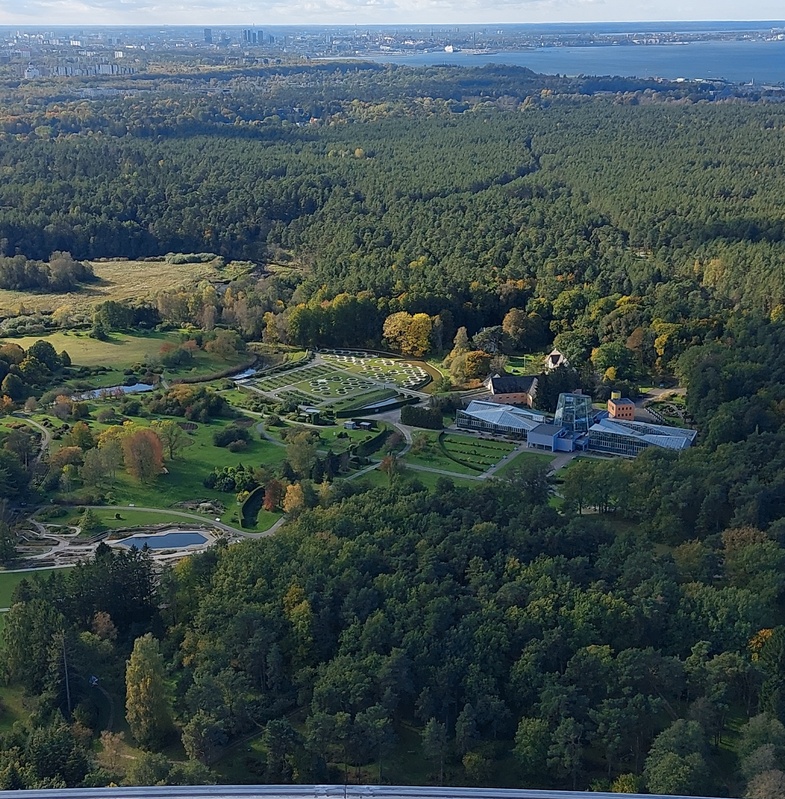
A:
{"points": [[117, 280], [123, 351], [120, 351]]}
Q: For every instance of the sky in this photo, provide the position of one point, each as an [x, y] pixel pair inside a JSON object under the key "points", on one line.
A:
{"points": [[347, 12]]}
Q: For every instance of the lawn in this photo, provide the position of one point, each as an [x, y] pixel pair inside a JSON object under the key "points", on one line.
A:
{"points": [[525, 364], [117, 280], [543, 458], [123, 351], [339, 439], [9, 581], [434, 457], [458, 453], [132, 518], [120, 352]]}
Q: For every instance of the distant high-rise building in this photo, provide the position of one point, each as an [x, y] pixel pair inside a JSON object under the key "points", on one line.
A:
{"points": [[208, 35], [253, 37]]}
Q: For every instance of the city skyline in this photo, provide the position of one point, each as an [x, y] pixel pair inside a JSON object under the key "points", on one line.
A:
{"points": [[325, 12]]}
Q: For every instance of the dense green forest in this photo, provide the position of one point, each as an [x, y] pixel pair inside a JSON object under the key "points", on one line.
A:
{"points": [[649, 213], [515, 644], [631, 638]]}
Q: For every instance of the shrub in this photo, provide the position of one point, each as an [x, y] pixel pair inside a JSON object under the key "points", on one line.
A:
{"points": [[229, 435], [430, 418]]}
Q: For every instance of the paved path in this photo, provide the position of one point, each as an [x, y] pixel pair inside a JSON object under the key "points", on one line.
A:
{"points": [[204, 521], [46, 436], [417, 468]]}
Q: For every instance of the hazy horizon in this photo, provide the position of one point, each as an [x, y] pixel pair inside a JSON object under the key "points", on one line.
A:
{"points": [[374, 12]]}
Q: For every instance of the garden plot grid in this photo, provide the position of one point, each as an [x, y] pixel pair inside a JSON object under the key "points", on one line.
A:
{"points": [[339, 375], [318, 383], [383, 370]]}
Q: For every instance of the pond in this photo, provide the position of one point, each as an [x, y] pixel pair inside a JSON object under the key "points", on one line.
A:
{"points": [[165, 540], [244, 375], [113, 391]]}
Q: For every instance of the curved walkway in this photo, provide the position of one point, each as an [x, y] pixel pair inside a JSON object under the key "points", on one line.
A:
{"points": [[203, 521], [46, 436]]}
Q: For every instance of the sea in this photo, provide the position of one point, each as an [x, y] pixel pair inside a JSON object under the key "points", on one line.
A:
{"points": [[758, 61]]}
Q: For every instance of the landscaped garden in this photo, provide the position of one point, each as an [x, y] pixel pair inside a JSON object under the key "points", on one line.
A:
{"points": [[456, 453], [470, 451], [183, 477], [672, 409], [522, 457], [402, 374]]}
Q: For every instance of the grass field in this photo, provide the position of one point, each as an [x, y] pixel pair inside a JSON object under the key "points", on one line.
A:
{"points": [[117, 280], [362, 400], [525, 364], [132, 518], [435, 458], [9, 581], [123, 351], [120, 352], [543, 458]]}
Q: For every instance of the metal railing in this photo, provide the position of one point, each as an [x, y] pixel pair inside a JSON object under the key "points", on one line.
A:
{"points": [[318, 792]]}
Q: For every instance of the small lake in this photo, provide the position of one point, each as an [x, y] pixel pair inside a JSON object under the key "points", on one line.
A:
{"points": [[165, 541], [245, 374], [112, 391]]}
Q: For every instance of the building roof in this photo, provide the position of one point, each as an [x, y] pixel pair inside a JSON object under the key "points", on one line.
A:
{"points": [[657, 434], [512, 384], [504, 415], [554, 359], [547, 430], [622, 401]]}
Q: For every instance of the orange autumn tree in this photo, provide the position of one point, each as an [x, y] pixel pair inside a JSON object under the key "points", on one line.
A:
{"points": [[143, 454]]}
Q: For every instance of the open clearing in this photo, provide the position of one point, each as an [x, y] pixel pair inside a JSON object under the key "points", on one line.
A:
{"points": [[121, 351], [117, 280]]}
